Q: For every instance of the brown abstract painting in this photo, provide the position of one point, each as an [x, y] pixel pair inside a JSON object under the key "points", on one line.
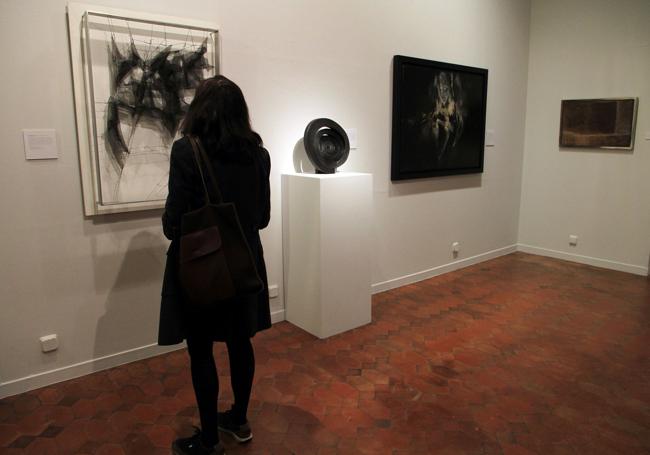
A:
{"points": [[598, 123]]}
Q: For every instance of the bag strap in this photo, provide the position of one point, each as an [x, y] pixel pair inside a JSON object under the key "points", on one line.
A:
{"points": [[198, 164], [258, 173], [199, 153], [211, 174]]}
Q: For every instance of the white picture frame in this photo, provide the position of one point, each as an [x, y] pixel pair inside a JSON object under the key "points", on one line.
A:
{"points": [[95, 173]]}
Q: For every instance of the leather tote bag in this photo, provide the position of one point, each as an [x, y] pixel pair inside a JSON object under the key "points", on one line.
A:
{"points": [[216, 262]]}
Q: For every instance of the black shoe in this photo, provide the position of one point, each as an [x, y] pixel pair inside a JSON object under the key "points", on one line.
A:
{"points": [[194, 446], [242, 433]]}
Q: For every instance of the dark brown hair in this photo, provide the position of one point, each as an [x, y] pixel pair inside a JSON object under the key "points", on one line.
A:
{"points": [[218, 114]]}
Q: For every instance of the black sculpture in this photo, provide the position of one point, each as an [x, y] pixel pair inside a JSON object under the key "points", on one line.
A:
{"points": [[326, 144]]}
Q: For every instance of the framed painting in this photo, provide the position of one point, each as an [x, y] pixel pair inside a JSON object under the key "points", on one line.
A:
{"points": [[438, 118], [607, 123], [134, 78]]}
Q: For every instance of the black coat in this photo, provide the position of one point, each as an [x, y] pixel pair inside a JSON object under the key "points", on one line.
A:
{"points": [[246, 184]]}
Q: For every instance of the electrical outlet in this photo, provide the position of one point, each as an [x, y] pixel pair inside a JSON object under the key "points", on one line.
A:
{"points": [[455, 247], [273, 291], [49, 343], [573, 240]]}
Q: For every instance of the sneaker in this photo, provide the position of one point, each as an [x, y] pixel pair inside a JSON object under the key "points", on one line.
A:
{"points": [[194, 446], [242, 433]]}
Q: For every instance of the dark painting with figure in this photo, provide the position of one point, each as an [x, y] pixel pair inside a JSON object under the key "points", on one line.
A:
{"points": [[438, 118]]}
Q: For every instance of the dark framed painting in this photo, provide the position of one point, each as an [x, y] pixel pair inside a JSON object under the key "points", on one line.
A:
{"points": [[607, 123], [438, 118]]}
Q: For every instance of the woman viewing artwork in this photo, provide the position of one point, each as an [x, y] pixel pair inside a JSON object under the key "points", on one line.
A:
{"points": [[218, 118]]}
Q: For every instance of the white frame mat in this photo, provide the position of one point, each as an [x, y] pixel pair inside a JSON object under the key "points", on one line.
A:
{"points": [[95, 171]]}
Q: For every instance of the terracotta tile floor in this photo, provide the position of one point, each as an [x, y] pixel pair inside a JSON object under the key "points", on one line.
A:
{"points": [[518, 355]]}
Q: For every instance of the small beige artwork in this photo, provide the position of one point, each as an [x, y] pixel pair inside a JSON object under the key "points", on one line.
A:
{"points": [[598, 123]]}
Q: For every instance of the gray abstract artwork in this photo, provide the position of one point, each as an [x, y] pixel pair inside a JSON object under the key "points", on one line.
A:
{"points": [[143, 77]]}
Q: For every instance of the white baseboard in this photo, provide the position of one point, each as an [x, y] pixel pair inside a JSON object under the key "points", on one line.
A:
{"points": [[439, 270], [46, 378], [596, 262], [38, 380], [277, 316]]}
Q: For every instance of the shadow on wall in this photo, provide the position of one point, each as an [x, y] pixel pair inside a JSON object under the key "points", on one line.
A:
{"points": [[301, 161], [434, 184], [115, 220], [133, 300]]}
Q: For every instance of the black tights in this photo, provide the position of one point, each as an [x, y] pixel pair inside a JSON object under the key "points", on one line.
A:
{"points": [[206, 381]]}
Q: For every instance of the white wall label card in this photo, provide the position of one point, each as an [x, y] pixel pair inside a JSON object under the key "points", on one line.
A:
{"points": [[489, 138], [352, 136], [40, 144]]}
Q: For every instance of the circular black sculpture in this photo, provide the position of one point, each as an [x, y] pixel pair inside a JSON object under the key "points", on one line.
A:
{"points": [[326, 144]]}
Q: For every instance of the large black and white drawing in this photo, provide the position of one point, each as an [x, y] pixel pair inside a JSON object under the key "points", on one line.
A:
{"points": [[140, 77]]}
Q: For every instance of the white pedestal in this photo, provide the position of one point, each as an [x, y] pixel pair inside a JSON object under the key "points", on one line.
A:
{"points": [[326, 227]]}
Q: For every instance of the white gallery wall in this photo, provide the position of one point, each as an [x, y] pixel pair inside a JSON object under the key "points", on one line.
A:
{"points": [[587, 49], [96, 281], [300, 60]]}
